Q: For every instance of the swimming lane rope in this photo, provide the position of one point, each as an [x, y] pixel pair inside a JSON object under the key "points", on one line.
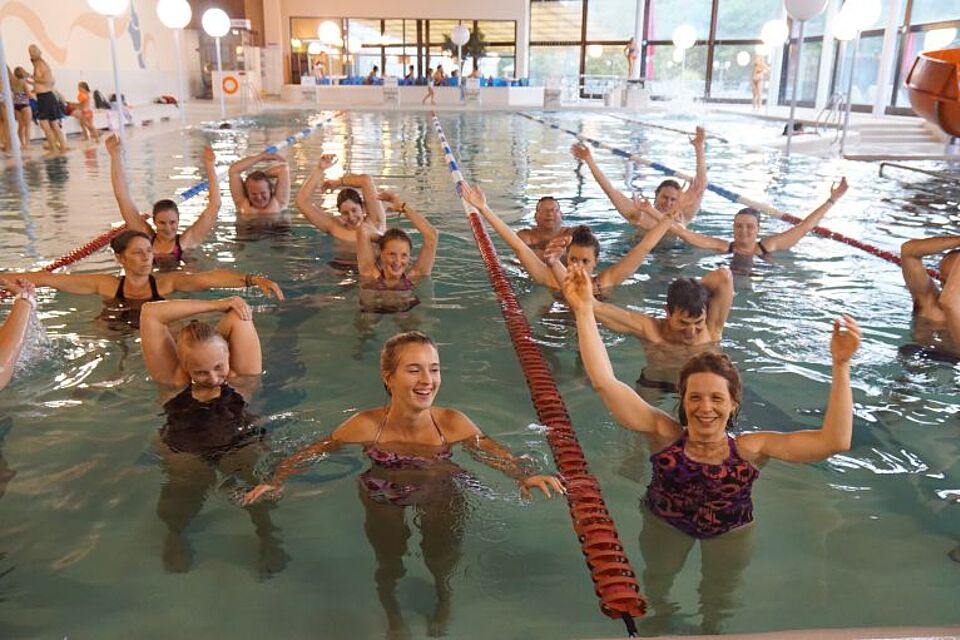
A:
{"points": [[104, 239], [614, 579], [644, 123], [733, 196]]}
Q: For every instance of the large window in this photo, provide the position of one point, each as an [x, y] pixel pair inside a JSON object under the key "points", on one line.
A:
{"points": [[393, 45]]}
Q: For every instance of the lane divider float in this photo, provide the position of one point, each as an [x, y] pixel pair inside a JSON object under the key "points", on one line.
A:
{"points": [[732, 196], [104, 239], [614, 579], [644, 123]]}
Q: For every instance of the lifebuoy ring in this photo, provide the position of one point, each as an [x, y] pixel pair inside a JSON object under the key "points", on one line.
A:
{"points": [[230, 85]]}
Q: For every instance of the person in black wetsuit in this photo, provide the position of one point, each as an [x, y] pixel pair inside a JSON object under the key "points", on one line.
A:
{"points": [[123, 295], [211, 370]]}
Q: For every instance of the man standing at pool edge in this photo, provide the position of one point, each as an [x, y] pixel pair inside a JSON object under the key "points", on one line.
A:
{"points": [[48, 107]]}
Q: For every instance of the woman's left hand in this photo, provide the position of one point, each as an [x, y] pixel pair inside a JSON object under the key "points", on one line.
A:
{"points": [[391, 199], [544, 483], [837, 190], [844, 344]]}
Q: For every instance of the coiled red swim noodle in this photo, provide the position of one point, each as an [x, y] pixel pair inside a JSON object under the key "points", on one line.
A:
{"points": [[614, 579]]}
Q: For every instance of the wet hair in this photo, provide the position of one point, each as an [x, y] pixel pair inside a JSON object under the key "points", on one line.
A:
{"points": [[390, 354], [545, 198], [195, 333], [667, 183], [688, 295], [165, 205], [349, 194], [258, 176], [394, 234], [122, 240], [83, 85], [718, 364], [582, 236], [749, 211]]}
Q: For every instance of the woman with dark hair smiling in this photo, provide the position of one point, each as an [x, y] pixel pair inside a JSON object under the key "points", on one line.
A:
{"points": [[124, 295], [168, 242], [702, 476]]}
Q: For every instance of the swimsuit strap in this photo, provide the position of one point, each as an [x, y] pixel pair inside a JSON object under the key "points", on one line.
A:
{"points": [[119, 294], [730, 247], [154, 293], [763, 249], [383, 422], [443, 439]]}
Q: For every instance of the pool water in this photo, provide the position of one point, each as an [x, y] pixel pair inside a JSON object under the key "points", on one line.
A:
{"points": [[859, 540]]}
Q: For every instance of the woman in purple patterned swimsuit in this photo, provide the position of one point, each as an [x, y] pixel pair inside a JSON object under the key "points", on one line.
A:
{"points": [[701, 476], [409, 443]]}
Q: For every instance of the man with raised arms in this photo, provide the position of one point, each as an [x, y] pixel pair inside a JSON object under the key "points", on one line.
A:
{"points": [[260, 192], [669, 194], [548, 224], [936, 311]]}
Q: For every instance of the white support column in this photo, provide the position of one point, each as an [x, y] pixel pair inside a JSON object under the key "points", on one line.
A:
{"points": [[887, 54], [523, 42], [638, 38], [827, 56]]}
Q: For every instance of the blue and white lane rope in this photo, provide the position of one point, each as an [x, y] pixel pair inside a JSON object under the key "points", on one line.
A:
{"points": [[104, 239], [202, 186], [731, 195], [614, 580]]}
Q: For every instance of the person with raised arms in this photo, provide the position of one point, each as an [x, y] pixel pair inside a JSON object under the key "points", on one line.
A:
{"points": [[207, 374], [354, 210], [581, 247], [124, 295], [746, 230], [547, 225], [668, 195], [388, 270], [260, 192], [936, 311], [169, 244], [410, 444], [702, 476]]}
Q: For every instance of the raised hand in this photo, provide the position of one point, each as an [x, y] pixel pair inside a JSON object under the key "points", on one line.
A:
{"points": [[392, 199], [209, 157], [330, 185], [268, 287], [326, 161], [556, 249], [474, 196], [837, 190], [578, 289], [581, 151], [845, 341], [112, 144], [699, 138], [544, 483]]}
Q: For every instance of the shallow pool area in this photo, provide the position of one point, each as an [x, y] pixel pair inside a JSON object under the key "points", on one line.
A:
{"points": [[859, 540]]}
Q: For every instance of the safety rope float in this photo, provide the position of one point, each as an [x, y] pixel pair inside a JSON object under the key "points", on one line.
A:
{"points": [[104, 239], [644, 123], [614, 579], [735, 197]]}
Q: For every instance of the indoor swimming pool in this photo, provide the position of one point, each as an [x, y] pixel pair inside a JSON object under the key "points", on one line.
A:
{"points": [[859, 540]]}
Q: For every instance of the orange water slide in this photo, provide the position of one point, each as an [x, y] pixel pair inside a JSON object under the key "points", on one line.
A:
{"points": [[934, 87]]}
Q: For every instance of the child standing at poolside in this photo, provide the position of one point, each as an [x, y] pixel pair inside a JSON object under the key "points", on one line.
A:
{"points": [[85, 112]]}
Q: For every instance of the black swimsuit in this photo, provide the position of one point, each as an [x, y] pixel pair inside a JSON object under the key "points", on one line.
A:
{"points": [[209, 429], [128, 311], [763, 250]]}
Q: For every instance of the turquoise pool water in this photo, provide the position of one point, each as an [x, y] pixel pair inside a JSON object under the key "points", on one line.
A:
{"points": [[858, 540]]}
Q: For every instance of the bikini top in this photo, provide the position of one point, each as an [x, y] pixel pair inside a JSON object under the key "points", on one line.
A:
{"points": [[176, 254], [380, 284], [763, 250], [118, 297], [394, 460]]}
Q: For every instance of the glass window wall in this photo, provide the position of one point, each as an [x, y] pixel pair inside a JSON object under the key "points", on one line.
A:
{"points": [[743, 19], [556, 21], [611, 20]]}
